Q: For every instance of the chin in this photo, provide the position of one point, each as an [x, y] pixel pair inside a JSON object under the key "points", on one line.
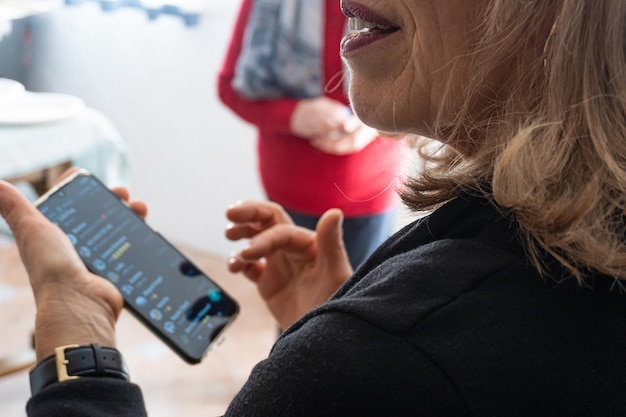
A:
{"points": [[378, 116], [381, 111]]}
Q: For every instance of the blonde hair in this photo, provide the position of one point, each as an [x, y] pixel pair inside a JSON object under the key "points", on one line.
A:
{"points": [[551, 148]]}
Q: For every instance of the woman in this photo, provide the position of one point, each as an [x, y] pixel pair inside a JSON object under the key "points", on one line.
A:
{"points": [[504, 301]]}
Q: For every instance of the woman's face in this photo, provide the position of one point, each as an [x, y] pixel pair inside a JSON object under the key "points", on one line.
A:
{"points": [[400, 68]]}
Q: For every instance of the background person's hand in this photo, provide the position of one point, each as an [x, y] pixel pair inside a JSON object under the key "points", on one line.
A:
{"points": [[295, 269], [353, 137], [318, 117]]}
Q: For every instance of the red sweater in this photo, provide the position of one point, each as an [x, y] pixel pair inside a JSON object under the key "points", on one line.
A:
{"points": [[294, 173]]}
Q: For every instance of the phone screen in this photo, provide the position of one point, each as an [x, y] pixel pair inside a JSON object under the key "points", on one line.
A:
{"points": [[165, 290]]}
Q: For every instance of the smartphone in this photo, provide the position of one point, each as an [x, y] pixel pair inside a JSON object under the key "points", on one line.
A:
{"points": [[182, 305]]}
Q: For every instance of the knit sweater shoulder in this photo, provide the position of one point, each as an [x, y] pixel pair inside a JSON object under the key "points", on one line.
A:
{"points": [[447, 318]]}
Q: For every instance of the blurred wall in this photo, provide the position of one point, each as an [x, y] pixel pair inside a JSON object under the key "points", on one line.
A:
{"points": [[12, 59]]}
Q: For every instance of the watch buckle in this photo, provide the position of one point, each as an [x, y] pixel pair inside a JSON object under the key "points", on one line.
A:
{"points": [[62, 362]]}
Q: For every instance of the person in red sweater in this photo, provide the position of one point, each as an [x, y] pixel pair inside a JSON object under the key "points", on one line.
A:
{"points": [[313, 153]]}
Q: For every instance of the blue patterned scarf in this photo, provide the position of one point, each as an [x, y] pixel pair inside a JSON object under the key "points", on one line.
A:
{"points": [[282, 50]]}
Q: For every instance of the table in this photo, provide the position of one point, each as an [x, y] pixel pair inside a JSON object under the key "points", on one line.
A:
{"points": [[38, 153]]}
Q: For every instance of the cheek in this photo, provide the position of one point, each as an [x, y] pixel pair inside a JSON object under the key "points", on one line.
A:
{"points": [[399, 99]]}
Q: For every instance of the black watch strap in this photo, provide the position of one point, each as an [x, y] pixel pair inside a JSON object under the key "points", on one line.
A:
{"points": [[74, 361]]}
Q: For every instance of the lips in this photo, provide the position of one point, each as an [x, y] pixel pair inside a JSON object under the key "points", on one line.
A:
{"points": [[366, 26]]}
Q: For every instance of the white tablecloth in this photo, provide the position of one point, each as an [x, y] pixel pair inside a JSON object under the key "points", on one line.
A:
{"points": [[87, 139]]}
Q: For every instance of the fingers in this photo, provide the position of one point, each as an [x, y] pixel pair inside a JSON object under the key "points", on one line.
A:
{"points": [[138, 206], [295, 240], [265, 212], [251, 217], [316, 116], [251, 270], [330, 244], [347, 143], [281, 241], [121, 192], [351, 124], [329, 231], [269, 229], [337, 144]]}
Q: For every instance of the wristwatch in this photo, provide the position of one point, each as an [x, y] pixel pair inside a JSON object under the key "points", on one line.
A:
{"points": [[74, 361]]}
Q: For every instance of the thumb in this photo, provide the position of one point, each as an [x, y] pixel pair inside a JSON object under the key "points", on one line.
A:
{"points": [[40, 243], [351, 124], [331, 248], [15, 208]]}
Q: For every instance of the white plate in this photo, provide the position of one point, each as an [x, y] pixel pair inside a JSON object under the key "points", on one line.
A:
{"points": [[33, 108], [8, 86]]}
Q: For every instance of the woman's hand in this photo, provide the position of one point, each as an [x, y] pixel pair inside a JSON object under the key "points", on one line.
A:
{"points": [[295, 269], [74, 306]]}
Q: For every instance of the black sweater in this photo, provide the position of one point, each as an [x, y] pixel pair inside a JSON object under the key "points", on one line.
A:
{"points": [[447, 318]]}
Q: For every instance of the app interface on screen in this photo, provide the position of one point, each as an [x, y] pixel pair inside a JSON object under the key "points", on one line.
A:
{"points": [[155, 278]]}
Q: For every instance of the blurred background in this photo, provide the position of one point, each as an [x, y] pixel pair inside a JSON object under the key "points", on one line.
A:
{"points": [[153, 78]]}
